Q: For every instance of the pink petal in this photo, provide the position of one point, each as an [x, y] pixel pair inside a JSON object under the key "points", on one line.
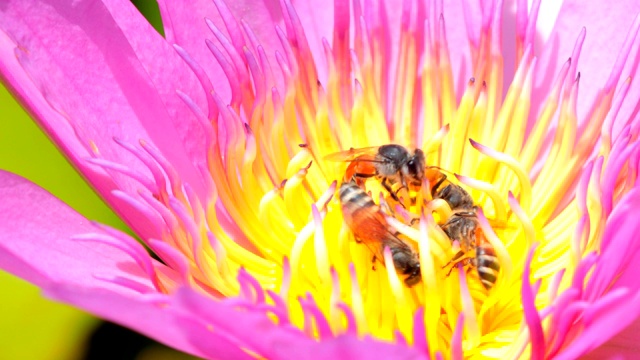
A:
{"points": [[607, 24], [624, 345], [281, 341], [604, 326], [620, 249], [317, 20], [349, 347], [185, 25], [35, 242], [612, 320], [156, 318], [531, 314], [169, 73], [76, 72], [458, 30]]}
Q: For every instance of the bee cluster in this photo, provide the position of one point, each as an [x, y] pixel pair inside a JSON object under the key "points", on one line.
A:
{"points": [[402, 173]]}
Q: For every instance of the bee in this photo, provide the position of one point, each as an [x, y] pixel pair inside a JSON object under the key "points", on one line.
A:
{"points": [[464, 227], [370, 227], [441, 188], [397, 169], [392, 164]]}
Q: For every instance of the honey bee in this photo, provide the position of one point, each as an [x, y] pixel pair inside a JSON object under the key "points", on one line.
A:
{"points": [[398, 169], [393, 165], [464, 227], [370, 227], [441, 188]]}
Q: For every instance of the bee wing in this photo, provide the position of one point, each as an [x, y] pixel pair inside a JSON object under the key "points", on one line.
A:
{"points": [[366, 153], [377, 235], [391, 241]]}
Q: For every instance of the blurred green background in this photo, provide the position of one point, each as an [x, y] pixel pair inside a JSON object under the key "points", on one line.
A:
{"points": [[32, 327]]}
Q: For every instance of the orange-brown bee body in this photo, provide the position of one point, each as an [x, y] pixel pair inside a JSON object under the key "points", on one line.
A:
{"points": [[370, 227]]}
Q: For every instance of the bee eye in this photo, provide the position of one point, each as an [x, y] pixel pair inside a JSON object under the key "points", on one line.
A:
{"points": [[413, 165]]}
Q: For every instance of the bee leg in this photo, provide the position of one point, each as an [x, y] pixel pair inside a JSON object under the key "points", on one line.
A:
{"points": [[387, 187], [373, 261], [407, 198], [466, 261], [459, 257], [404, 199], [394, 194]]}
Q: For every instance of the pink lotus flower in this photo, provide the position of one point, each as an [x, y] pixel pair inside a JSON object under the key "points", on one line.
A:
{"points": [[190, 138]]}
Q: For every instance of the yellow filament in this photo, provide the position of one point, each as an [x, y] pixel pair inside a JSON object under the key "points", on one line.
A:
{"points": [[453, 156], [320, 249], [433, 143], [357, 304], [296, 251], [431, 119], [437, 249], [523, 178], [446, 87], [494, 92], [527, 225], [428, 271], [518, 122], [471, 322], [403, 315], [403, 91], [499, 207], [476, 124]]}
